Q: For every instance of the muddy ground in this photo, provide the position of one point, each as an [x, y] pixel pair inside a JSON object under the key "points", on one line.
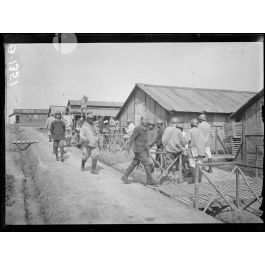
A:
{"points": [[51, 192]]}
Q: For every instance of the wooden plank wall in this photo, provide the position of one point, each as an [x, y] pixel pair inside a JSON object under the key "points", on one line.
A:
{"points": [[253, 135], [32, 118]]}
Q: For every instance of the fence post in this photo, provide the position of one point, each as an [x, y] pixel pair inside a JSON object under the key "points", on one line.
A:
{"points": [[237, 188], [180, 168], [196, 187]]}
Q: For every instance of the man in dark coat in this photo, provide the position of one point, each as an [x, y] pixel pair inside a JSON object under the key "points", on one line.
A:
{"points": [[139, 140], [58, 135]]}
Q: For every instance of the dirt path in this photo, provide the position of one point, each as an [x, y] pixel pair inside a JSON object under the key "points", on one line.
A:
{"points": [[70, 196]]}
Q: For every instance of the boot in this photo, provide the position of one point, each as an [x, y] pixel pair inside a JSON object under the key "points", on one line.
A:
{"points": [[94, 165], [55, 150], [127, 173], [83, 165], [193, 174], [62, 152], [152, 168], [150, 180], [210, 160]]}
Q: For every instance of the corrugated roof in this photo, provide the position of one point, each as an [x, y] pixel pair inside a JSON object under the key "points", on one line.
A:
{"points": [[96, 111], [77, 102], [29, 111], [183, 99], [237, 114]]}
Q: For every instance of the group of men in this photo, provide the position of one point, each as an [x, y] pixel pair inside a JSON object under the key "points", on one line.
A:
{"points": [[147, 138], [59, 129]]}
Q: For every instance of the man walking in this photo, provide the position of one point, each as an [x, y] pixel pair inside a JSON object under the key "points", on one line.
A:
{"points": [[58, 135], [152, 136], [205, 127], [196, 149], [160, 133], [48, 123], [129, 129], [173, 140], [112, 125], [68, 124], [139, 140], [90, 138]]}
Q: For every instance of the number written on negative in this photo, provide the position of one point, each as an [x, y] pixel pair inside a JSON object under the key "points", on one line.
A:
{"points": [[11, 48], [14, 75]]}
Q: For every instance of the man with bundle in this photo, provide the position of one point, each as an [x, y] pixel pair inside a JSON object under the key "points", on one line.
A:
{"points": [[90, 139]]}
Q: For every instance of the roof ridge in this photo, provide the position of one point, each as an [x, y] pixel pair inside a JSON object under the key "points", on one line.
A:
{"points": [[195, 88]]}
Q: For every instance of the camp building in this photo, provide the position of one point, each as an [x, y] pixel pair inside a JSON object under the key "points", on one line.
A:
{"points": [[30, 117], [97, 108], [53, 109], [164, 102]]}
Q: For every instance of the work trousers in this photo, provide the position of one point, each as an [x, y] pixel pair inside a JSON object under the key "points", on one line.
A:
{"points": [[88, 151], [141, 158]]}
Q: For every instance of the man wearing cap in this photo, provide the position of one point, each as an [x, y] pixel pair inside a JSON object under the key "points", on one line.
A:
{"points": [[58, 135], [68, 124], [196, 149], [173, 140], [205, 127], [48, 123], [79, 124], [90, 138], [160, 132], [152, 136], [139, 140], [101, 124], [112, 125]]}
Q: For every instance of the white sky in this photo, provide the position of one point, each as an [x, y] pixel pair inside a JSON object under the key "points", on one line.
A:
{"points": [[108, 72]]}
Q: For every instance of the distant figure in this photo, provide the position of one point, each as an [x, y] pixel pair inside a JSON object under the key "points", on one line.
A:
{"points": [[90, 138], [79, 124], [160, 132], [129, 129], [112, 125], [105, 129], [173, 140], [139, 140], [196, 149], [205, 127], [48, 123], [101, 124], [117, 128], [58, 135], [152, 137], [68, 124]]}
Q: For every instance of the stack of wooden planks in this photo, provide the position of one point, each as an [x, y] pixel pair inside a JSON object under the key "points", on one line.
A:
{"points": [[233, 137]]}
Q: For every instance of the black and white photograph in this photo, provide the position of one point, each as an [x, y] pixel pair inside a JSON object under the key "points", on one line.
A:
{"points": [[128, 130]]}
